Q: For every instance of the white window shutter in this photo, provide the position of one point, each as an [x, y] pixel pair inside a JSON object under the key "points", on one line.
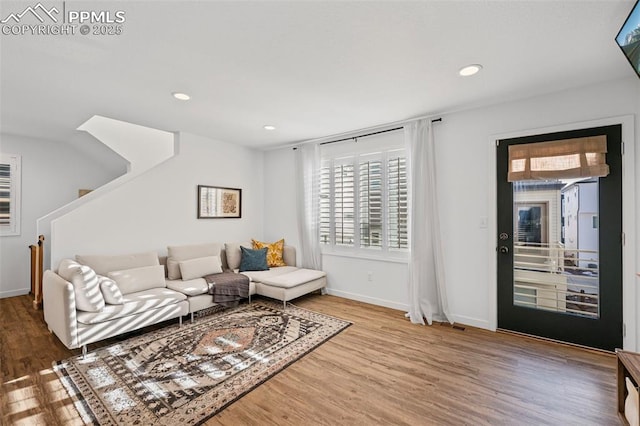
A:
{"points": [[344, 204]]}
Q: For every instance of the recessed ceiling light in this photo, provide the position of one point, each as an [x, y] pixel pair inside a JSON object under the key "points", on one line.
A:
{"points": [[181, 96], [470, 70], [269, 127]]}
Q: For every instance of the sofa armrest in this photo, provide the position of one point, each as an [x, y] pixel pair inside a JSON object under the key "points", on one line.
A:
{"points": [[59, 303]]}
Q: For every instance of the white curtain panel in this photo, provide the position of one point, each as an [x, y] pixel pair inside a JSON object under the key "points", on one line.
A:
{"points": [[427, 285], [308, 204]]}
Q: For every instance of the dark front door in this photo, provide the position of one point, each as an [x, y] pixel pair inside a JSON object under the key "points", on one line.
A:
{"points": [[559, 248]]}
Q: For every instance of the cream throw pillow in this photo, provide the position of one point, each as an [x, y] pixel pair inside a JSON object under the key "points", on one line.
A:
{"points": [[86, 285], [198, 268], [110, 291]]}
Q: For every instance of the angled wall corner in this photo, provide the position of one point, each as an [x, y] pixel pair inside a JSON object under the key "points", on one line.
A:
{"points": [[143, 147]]}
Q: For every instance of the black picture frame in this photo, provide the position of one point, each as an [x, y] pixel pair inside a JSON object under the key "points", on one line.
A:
{"points": [[216, 202]]}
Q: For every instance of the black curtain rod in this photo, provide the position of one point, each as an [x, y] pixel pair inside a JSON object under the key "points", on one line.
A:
{"points": [[435, 120], [362, 136], [372, 133]]}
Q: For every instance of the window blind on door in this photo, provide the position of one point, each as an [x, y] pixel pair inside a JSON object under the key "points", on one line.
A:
{"points": [[561, 159]]}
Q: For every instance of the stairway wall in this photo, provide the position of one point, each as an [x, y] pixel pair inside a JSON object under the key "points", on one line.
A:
{"points": [[159, 207]]}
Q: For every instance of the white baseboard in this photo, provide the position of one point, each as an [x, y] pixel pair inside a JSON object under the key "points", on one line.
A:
{"points": [[14, 293], [458, 319], [473, 322], [372, 300]]}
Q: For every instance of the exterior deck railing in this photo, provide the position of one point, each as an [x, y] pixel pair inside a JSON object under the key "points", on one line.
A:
{"points": [[554, 277]]}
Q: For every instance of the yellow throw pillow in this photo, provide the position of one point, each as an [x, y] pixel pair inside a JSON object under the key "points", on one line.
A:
{"points": [[274, 252]]}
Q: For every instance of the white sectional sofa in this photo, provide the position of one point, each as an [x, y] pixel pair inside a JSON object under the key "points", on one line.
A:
{"points": [[149, 291]]}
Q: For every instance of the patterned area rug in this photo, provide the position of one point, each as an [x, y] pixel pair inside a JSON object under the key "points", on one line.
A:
{"points": [[185, 375]]}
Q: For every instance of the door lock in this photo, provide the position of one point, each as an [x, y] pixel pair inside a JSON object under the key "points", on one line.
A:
{"points": [[504, 249]]}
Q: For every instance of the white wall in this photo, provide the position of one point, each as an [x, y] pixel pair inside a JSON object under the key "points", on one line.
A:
{"points": [[377, 282], [159, 207], [466, 180], [280, 197], [52, 173]]}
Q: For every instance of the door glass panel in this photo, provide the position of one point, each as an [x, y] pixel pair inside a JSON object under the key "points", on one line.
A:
{"points": [[555, 242]]}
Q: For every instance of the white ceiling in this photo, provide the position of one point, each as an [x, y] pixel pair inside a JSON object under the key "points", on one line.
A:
{"points": [[312, 69]]}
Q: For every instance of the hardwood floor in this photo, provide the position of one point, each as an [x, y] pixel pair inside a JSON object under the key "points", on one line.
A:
{"points": [[381, 370]]}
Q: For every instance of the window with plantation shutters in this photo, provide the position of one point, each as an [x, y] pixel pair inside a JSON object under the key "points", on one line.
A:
{"points": [[9, 194], [364, 198]]}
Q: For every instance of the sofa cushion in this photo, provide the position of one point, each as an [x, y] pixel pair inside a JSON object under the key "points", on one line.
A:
{"points": [[134, 303], [253, 260], [186, 252], [274, 252], [189, 287], [110, 291], [105, 264], [139, 279], [258, 276], [294, 278], [86, 285], [234, 254], [199, 267]]}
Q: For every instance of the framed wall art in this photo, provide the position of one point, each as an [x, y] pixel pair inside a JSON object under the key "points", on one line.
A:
{"points": [[219, 203]]}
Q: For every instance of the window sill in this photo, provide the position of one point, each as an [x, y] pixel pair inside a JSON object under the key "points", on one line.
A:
{"points": [[381, 257]]}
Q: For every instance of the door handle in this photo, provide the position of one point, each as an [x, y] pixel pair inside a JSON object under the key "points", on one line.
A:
{"points": [[504, 249]]}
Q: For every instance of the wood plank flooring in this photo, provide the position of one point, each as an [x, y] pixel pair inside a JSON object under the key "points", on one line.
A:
{"points": [[381, 370]]}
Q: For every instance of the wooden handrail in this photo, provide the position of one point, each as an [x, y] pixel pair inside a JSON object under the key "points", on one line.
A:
{"points": [[34, 267], [37, 258]]}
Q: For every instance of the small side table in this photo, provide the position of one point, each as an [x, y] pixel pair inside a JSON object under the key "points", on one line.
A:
{"points": [[628, 366]]}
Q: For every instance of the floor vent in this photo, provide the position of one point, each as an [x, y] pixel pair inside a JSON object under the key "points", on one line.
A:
{"points": [[454, 326]]}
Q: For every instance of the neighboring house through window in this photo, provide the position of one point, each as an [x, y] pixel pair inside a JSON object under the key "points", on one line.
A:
{"points": [[10, 175]]}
